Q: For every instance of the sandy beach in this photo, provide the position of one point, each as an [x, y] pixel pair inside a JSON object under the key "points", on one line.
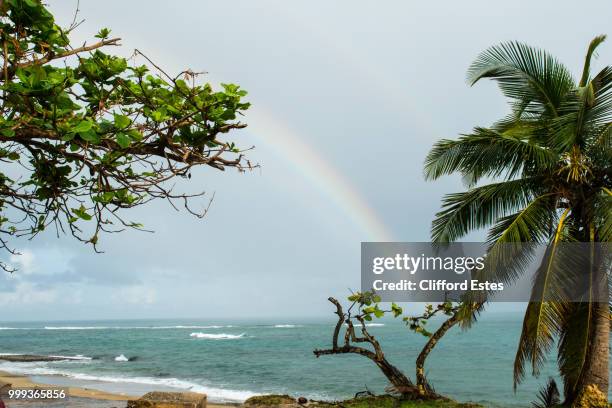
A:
{"points": [[79, 397]]}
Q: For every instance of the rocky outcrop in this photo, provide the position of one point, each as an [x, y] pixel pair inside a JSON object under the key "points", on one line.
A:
{"points": [[381, 401], [30, 358], [169, 400], [4, 387], [265, 401]]}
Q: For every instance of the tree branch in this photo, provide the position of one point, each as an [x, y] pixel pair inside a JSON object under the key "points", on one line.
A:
{"points": [[50, 56]]}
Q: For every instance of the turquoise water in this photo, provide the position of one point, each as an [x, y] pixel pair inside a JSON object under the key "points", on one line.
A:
{"points": [[232, 360]]}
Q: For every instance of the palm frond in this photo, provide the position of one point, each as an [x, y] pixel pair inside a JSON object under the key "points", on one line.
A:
{"points": [[469, 311], [587, 61], [562, 130], [599, 114], [574, 343], [513, 240], [548, 396], [526, 74], [541, 323], [505, 262], [603, 137], [479, 207], [545, 312], [531, 224], [489, 153], [587, 113]]}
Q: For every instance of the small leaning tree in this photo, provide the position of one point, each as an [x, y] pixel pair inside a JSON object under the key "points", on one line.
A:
{"points": [[356, 339], [84, 135], [552, 158]]}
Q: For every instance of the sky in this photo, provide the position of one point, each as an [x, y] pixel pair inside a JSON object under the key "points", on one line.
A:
{"points": [[347, 99]]}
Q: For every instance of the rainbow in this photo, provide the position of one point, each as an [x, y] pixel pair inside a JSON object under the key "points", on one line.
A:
{"points": [[310, 164], [330, 182]]}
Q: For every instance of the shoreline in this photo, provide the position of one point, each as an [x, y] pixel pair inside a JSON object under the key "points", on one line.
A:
{"points": [[19, 381]]}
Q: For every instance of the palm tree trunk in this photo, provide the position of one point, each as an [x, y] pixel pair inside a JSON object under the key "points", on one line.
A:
{"points": [[599, 374], [596, 372]]}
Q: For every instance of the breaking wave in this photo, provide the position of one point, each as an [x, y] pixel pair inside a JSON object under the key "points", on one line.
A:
{"points": [[214, 394], [220, 336]]}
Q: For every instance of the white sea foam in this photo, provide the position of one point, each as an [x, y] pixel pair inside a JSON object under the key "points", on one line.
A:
{"points": [[191, 327], [122, 358], [121, 327], [214, 336], [286, 326], [214, 394], [76, 328], [16, 328], [78, 357]]}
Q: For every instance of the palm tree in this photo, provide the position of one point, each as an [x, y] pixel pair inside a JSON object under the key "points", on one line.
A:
{"points": [[549, 161]]}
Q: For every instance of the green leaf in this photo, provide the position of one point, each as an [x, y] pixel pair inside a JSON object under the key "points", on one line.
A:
{"points": [[103, 33], [90, 136], [123, 140], [368, 310], [105, 197], [8, 132], [134, 134], [82, 126], [182, 86], [81, 212], [68, 136], [122, 121], [396, 310], [159, 115]]}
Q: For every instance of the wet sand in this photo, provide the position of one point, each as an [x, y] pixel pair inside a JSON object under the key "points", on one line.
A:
{"points": [[79, 397]]}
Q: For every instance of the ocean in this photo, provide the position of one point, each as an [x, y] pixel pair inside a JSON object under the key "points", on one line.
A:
{"points": [[233, 360]]}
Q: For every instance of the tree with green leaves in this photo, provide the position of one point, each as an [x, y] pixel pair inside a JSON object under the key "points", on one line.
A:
{"points": [[85, 135], [547, 165], [356, 339]]}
